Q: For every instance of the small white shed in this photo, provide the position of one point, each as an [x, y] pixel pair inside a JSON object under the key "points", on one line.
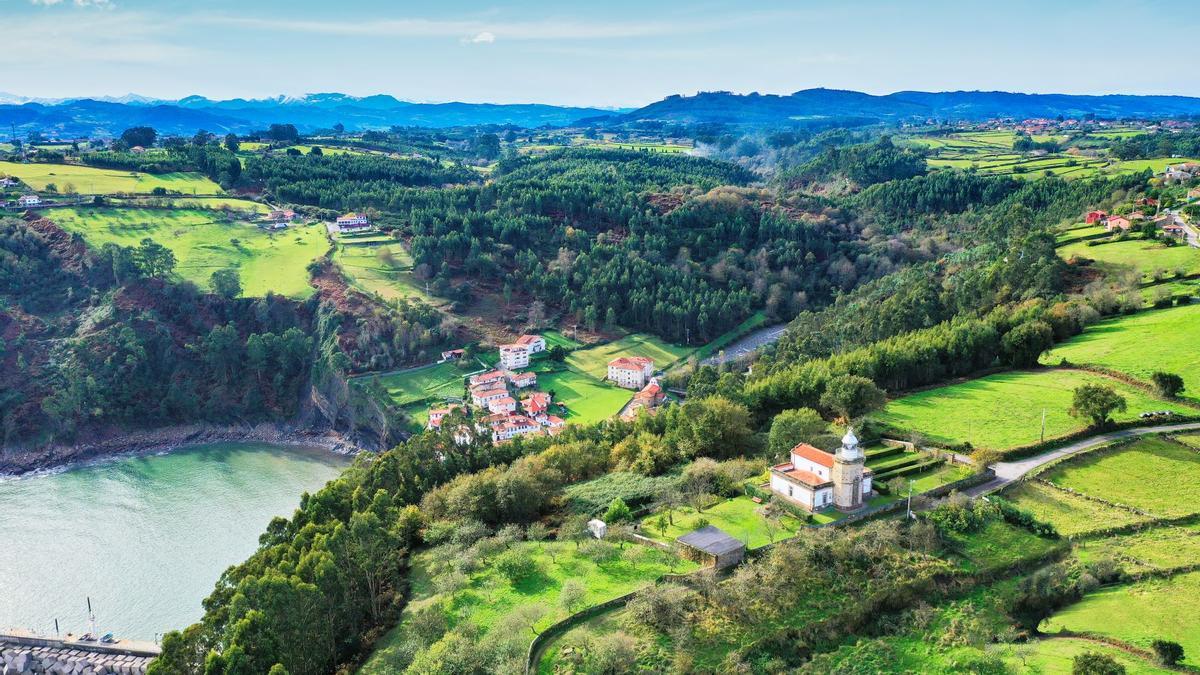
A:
{"points": [[597, 528]]}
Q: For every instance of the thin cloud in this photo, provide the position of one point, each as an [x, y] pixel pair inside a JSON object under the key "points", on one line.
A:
{"points": [[484, 37], [103, 4]]}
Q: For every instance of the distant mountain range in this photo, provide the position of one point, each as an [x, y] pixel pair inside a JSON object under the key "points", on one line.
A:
{"points": [[109, 115]]}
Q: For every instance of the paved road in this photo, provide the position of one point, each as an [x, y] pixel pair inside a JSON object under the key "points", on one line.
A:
{"points": [[748, 344], [1007, 472]]}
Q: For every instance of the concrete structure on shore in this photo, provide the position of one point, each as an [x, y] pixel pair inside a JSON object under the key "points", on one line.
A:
{"points": [[22, 653]]}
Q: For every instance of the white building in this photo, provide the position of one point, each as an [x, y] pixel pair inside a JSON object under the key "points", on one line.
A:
{"points": [[482, 395], [29, 200], [630, 372], [533, 343], [501, 405], [514, 425], [514, 356], [353, 222], [815, 479]]}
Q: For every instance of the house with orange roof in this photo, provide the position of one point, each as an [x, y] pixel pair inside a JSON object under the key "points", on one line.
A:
{"points": [[630, 372], [490, 377], [353, 222], [814, 479], [482, 395], [502, 404], [1114, 223], [532, 343], [514, 425], [537, 404], [436, 415], [1096, 217], [523, 380]]}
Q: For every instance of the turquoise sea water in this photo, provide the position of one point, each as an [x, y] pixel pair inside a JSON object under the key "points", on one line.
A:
{"points": [[145, 537]]}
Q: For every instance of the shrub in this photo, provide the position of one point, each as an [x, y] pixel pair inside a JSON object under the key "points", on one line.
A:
{"points": [[1168, 653], [1095, 663], [1169, 385], [515, 566], [618, 512]]}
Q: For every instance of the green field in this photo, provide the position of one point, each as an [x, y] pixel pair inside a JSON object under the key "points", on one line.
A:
{"points": [[1158, 548], [487, 597], [586, 399], [1070, 514], [594, 360], [1136, 255], [199, 202], [204, 242], [1156, 165], [385, 269], [1078, 232], [735, 516], [1153, 474], [1140, 613], [419, 384], [998, 545], [90, 180], [1140, 344], [555, 338], [1055, 656], [1005, 410]]}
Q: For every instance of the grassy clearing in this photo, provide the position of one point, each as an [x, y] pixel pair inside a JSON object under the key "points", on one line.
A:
{"points": [[998, 545], [1070, 515], [1056, 656], [1005, 410], [90, 180], [594, 360], [385, 269], [1158, 548], [204, 242], [1140, 344], [488, 596], [735, 516], [1156, 165], [1152, 474], [1136, 255], [1140, 613], [555, 338], [585, 399], [1192, 440], [1077, 232], [198, 202], [419, 384]]}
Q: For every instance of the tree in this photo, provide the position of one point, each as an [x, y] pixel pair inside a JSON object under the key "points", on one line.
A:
{"points": [[226, 283], [537, 314], [574, 528], [1169, 385], [488, 146], [1168, 653], [1025, 344], [852, 396], [231, 143], [791, 427], [515, 566], [316, 151], [154, 259], [572, 596], [143, 136], [283, 132], [557, 353], [1096, 401], [618, 511], [1095, 663]]}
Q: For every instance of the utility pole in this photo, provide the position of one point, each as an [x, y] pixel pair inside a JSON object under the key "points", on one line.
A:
{"points": [[910, 489], [1043, 425]]}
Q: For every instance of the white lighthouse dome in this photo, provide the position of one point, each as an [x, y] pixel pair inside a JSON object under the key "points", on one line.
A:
{"points": [[849, 449]]}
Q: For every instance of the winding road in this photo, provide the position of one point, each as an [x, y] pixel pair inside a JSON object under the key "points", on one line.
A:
{"points": [[747, 344], [1007, 472]]}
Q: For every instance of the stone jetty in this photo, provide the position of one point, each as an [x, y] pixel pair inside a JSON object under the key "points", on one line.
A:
{"points": [[31, 655]]}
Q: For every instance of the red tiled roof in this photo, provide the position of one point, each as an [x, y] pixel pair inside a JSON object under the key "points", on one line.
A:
{"points": [[527, 339], [807, 477], [630, 362], [814, 455]]}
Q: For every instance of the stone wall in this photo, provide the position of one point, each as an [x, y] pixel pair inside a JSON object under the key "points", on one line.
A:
{"points": [[19, 658]]}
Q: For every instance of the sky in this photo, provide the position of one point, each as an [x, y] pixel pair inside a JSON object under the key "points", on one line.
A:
{"points": [[610, 53]]}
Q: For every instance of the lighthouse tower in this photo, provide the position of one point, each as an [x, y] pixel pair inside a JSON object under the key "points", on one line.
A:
{"points": [[848, 474]]}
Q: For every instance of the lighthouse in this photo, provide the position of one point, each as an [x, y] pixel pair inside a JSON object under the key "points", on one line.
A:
{"points": [[848, 479]]}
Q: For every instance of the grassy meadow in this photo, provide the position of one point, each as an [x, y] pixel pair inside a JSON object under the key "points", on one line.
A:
{"points": [[384, 269], [1005, 410], [594, 360], [1139, 614], [1153, 549], [204, 242], [737, 517], [486, 597], [1137, 256], [1070, 514], [586, 399], [91, 180], [1141, 344], [419, 384], [1056, 656], [1154, 475]]}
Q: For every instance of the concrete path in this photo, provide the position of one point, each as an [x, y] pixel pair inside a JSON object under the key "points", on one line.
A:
{"points": [[747, 344], [1007, 472]]}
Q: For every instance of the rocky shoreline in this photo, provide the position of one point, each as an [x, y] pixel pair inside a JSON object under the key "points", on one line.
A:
{"points": [[22, 460]]}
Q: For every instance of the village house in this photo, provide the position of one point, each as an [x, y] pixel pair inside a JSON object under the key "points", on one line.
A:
{"points": [[484, 394], [1113, 223], [492, 376], [815, 479], [648, 398], [532, 343], [28, 200], [280, 218], [514, 356], [1170, 227], [514, 425], [630, 372], [353, 222], [438, 414], [502, 404], [453, 355], [523, 380], [1096, 217], [537, 404], [553, 423]]}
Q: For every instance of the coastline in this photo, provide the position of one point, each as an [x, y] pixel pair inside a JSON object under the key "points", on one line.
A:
{"points": [[15, 462]]}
